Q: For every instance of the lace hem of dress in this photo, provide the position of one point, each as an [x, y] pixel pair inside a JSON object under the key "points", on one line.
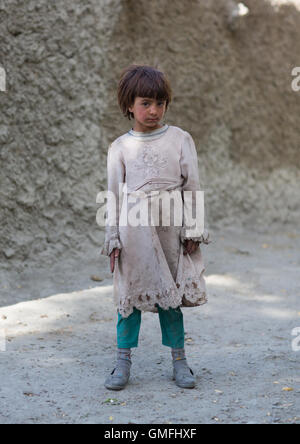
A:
{"points": [[187, 294]]}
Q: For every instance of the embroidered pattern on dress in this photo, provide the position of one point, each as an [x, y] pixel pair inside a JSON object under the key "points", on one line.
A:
{"points": [[151, 159]]}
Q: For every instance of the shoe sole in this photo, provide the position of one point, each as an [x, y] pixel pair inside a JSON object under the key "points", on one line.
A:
{"points": [[110, 386], [189, 386], [117, 388], [186, 386]]}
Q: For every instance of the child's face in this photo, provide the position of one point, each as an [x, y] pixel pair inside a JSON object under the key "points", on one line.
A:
{"points": [[147, 113]]}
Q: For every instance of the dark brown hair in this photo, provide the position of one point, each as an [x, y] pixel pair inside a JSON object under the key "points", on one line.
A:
{"points": [[142, 81]]}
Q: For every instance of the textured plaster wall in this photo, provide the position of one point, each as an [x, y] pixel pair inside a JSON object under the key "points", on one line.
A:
{"points": [[232, 92], [52, 156]]}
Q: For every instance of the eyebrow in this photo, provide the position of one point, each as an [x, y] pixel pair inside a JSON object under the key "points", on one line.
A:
{"points": [[152, 100]]}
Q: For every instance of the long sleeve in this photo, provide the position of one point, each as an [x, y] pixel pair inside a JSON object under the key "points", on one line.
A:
{"points": [[115, 177], [190, 173]]}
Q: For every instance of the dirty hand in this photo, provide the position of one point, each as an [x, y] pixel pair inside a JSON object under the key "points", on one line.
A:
{"points": [[114, 254], [190, 246]]}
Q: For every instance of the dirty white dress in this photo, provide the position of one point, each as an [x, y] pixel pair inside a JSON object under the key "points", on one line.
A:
{"points": [[151, 268]]}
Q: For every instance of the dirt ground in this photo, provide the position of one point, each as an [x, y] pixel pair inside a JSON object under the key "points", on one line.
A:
{"points": [[57, 335]]}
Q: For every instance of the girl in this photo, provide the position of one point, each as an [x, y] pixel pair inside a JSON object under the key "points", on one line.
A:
{"points": [[158, 267]]}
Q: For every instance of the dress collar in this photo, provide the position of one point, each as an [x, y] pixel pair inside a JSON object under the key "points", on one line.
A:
{"points": [[141, 135]]}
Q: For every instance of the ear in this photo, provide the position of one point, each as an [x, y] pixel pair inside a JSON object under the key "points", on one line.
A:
{"points": [[130, 108]]}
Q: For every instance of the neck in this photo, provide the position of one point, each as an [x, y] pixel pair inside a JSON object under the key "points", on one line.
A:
{"points": [[142, 129]]}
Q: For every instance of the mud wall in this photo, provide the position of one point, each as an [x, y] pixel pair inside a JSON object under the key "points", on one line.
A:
{"points": [[232, 92]]}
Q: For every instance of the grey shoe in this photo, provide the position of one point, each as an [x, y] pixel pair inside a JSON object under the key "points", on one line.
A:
{"points": [[182, 373], [119, 377]]}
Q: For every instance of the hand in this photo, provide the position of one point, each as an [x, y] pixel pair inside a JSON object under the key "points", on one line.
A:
{"points": [[114, 256], [190, 246]]}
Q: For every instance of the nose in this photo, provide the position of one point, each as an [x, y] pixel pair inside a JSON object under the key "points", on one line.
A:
{"points": [[153, 110]]}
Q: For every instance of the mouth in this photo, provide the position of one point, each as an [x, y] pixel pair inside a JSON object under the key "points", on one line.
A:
{"points": [[153, 120]]}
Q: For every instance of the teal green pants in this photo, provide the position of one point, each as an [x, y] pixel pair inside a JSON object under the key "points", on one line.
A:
{"points": [[171, 324]]}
